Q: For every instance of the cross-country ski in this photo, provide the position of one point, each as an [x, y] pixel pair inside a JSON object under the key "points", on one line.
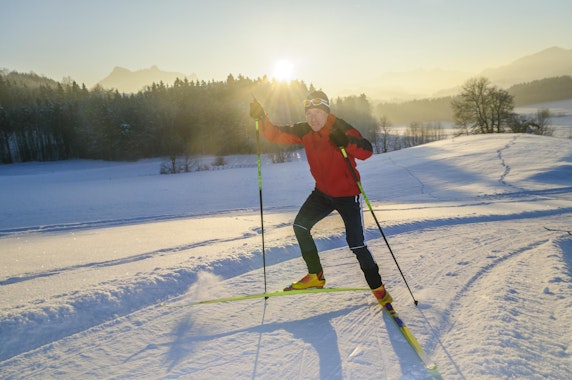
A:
{"points": [[277, 293]]}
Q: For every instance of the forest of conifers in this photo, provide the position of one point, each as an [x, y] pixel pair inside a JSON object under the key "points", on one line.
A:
{"points": [[42, 120]]}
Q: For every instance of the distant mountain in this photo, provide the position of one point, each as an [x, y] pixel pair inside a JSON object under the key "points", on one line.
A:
{"points": [[406, 85], [29, 80], [551, 62], [128, 81], [418, 84]]}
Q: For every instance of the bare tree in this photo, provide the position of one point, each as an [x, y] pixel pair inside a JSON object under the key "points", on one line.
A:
{"points": [[482, 108], [384, 136], [422, 133], [537, 124], [501, 104], [543, 121]]}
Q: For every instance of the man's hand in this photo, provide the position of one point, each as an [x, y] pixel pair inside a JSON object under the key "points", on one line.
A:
{"points": [[256, 110], [339, 138]]}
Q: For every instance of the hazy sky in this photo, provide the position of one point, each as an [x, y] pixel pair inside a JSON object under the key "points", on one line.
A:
{"points": [[328, 43]]}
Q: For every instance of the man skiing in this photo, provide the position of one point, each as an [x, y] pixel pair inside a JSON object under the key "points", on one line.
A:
{"points": [[323, 135]]}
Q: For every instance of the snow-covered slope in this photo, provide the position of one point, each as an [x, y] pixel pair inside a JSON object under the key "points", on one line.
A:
{"points": [[89, 250]]}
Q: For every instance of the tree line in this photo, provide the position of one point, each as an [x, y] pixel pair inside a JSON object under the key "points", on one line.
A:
{"points": [[45, 120], [42, 120]]}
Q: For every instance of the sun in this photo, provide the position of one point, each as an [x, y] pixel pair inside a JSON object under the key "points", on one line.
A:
{"points": [[283, 71]]}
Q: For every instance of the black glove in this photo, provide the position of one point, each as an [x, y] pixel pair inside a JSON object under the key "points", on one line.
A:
{"points": [[339, 138], [256, 110]]}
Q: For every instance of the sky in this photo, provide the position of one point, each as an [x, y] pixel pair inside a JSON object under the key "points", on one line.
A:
{"points": [[326, 43]]}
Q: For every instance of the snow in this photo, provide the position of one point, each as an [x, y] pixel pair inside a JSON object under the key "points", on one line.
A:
{"points": [[97, 257], [561, 115]]}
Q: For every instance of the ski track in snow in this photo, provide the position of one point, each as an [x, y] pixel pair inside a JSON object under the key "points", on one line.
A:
{"points": [[492, 291], [411, 174], [125, 260], [177, 281]]}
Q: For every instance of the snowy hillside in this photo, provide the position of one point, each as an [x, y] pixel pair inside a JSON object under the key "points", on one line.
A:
{"points": [[96, 258]]}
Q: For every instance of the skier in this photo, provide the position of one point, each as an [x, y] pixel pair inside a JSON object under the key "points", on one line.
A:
{"points": [[322, 135]]}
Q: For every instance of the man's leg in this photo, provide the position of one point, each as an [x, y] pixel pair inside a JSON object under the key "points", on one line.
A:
{"points": [[352, 215], [316, 207]]}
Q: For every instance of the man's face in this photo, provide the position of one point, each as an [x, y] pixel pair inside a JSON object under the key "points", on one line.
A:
{"points": [[316, 118]]}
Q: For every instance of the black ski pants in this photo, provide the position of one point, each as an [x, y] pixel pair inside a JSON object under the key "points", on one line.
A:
{"points": [[319, 205]]}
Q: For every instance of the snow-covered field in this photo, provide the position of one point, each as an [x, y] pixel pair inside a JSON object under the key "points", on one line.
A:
{"points": [[560, 119], [96, 257]]}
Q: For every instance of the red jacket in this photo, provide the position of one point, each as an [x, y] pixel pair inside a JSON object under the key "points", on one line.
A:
{"points": [[327, 164]]}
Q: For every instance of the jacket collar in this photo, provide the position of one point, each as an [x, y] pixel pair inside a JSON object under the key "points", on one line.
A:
{"points": [[329, 123]]}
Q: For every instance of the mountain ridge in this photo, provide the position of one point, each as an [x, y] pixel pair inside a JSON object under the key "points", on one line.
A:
{"points": [[429, 83], [128, 81], [551, 62], [407, 85]]}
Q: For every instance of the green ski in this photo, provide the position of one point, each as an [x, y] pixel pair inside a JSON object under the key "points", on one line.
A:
{"points": [[277, 293]]}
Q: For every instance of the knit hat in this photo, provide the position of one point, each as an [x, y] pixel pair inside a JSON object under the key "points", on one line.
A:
{"points": [[317, 99]]}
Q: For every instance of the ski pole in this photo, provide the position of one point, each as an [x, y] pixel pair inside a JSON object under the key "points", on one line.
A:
{"points": [[260, 197], [358, 183]]}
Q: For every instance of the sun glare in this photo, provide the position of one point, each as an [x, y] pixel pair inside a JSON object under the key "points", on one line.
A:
{"points": [[283, 71]]}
